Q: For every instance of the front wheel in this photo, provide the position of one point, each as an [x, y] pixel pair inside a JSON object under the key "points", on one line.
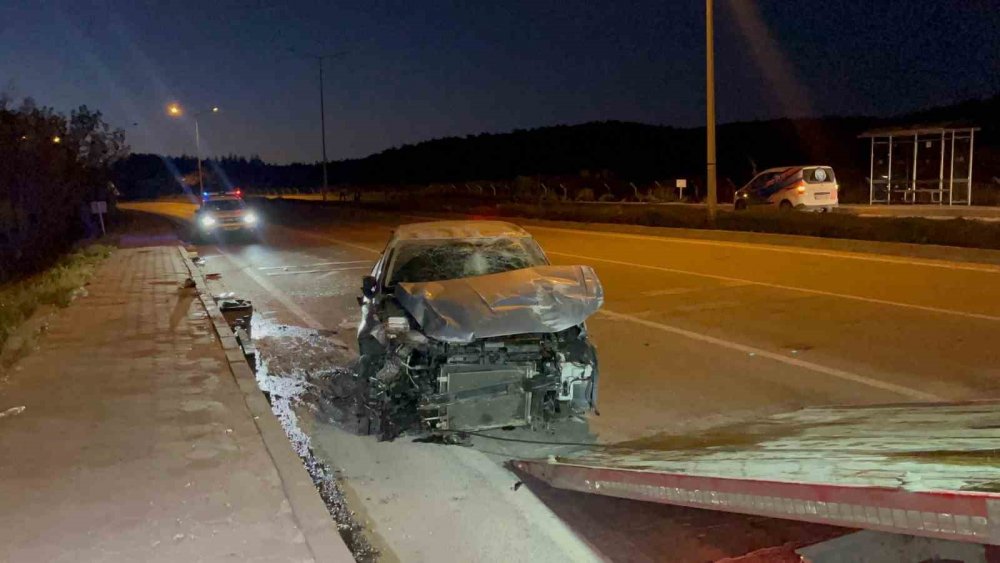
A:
{"points": [[740, 205], [785, 205]]}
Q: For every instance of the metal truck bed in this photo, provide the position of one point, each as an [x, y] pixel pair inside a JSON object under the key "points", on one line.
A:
{"points": [[928, 469]]}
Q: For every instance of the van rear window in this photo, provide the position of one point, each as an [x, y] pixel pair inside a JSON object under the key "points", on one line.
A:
{"points": [[818, 175]]}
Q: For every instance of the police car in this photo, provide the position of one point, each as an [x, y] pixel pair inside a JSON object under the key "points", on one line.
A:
{"points": [[225, 213], [807, 188]]}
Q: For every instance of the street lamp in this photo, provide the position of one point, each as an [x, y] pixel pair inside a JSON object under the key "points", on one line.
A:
{"points": [[175, 110]]}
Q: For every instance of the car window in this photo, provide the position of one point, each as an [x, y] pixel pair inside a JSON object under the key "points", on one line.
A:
{"points": [[224, 204], [423, 261], [819, 175], [762, 180]]}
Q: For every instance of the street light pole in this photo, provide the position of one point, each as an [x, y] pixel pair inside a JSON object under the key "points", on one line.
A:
{"points": [[197, 144], [322, 121], [175, 110], [710, 110]]}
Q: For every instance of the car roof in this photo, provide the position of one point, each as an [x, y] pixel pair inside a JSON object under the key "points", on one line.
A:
{"points": [[438, 230], [783, 168]]}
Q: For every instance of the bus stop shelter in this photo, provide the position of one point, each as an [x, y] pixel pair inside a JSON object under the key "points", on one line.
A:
{"points": [[921, 164]]}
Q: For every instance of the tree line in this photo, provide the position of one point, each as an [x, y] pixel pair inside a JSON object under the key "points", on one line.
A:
{"points": [[51, 166], [614, 153]]}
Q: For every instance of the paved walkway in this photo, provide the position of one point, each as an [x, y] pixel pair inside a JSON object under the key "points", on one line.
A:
{"points": [[135, 442]]}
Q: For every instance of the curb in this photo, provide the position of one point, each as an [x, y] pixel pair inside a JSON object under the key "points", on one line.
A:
{"points": [[310, 512]]}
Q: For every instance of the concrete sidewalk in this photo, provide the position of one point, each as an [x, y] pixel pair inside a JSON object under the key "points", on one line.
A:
{"points": [[136, 443]]}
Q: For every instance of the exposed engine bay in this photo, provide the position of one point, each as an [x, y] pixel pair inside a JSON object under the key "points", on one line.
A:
{"points": [[421, 385]]}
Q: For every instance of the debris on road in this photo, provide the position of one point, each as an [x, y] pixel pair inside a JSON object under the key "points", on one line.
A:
{"points": [[246, 344], [289, 361], [13, 411], [238, 313], [213, 276], [188, 284]]}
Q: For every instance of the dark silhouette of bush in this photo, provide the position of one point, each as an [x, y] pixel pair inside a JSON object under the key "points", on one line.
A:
{"points": [[51, 167]]}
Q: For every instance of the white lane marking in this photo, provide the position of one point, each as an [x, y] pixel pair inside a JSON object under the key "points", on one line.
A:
{"points": [[337, 241], [317, 264], [930, 263], [280, 296], [295, 272], [980, 316], [331, 272], [833, 372], [683, 290]]}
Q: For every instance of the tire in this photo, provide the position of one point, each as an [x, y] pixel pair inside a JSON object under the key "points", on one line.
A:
{"points": [[740, 205], [785, 205]]}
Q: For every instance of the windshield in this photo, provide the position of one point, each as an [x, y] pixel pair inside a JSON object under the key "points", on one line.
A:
{"points": [[224, 205], [423, 261]]}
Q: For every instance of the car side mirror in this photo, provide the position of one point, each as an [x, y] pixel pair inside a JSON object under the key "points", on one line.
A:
{"points": [[369, 286]]}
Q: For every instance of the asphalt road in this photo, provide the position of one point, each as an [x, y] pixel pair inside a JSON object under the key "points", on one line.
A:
{"points": [[695, 333]]}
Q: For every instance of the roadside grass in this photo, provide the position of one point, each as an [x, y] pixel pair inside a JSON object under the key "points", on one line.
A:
{"points": [[915, 230], [54, 286]]}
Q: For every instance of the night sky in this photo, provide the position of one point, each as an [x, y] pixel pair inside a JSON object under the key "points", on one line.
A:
{"points": [[420, 70]]}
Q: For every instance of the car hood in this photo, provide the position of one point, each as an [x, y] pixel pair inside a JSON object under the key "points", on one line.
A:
{"points": [[542, 299]]}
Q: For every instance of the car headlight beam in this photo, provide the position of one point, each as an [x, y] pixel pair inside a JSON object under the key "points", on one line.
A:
{"points": [[250, 219], [207, 221]]}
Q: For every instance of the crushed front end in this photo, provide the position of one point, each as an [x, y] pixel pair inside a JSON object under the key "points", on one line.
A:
{"points": [[435, 361], [520, 380]]}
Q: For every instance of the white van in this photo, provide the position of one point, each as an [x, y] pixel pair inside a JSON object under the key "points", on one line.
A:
{"points": [[808, 188]]}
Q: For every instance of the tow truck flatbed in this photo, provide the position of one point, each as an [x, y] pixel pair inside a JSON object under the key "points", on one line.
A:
{"points": [[928, 469]]}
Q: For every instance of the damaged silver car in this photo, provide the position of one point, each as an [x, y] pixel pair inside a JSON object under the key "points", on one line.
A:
{"points": [[466, 326]]}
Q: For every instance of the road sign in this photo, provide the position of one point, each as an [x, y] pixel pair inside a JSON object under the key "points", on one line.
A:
{"points": [[681, 184], [99, 208]]}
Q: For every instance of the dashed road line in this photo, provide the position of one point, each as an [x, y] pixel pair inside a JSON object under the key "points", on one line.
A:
{"points": [[333, 271], [279, 295], [926, 308], [803, 364], [316, 265]]}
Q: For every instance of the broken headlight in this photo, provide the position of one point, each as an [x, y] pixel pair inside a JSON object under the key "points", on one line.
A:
{"points": [[394, 326]]}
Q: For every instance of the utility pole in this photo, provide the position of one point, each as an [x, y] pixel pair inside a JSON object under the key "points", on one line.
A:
{"points": [[710, 110], [322, 107], [322, 121]]}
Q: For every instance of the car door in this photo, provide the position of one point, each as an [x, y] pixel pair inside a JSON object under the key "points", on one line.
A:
{"points": [[759, 188]]}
